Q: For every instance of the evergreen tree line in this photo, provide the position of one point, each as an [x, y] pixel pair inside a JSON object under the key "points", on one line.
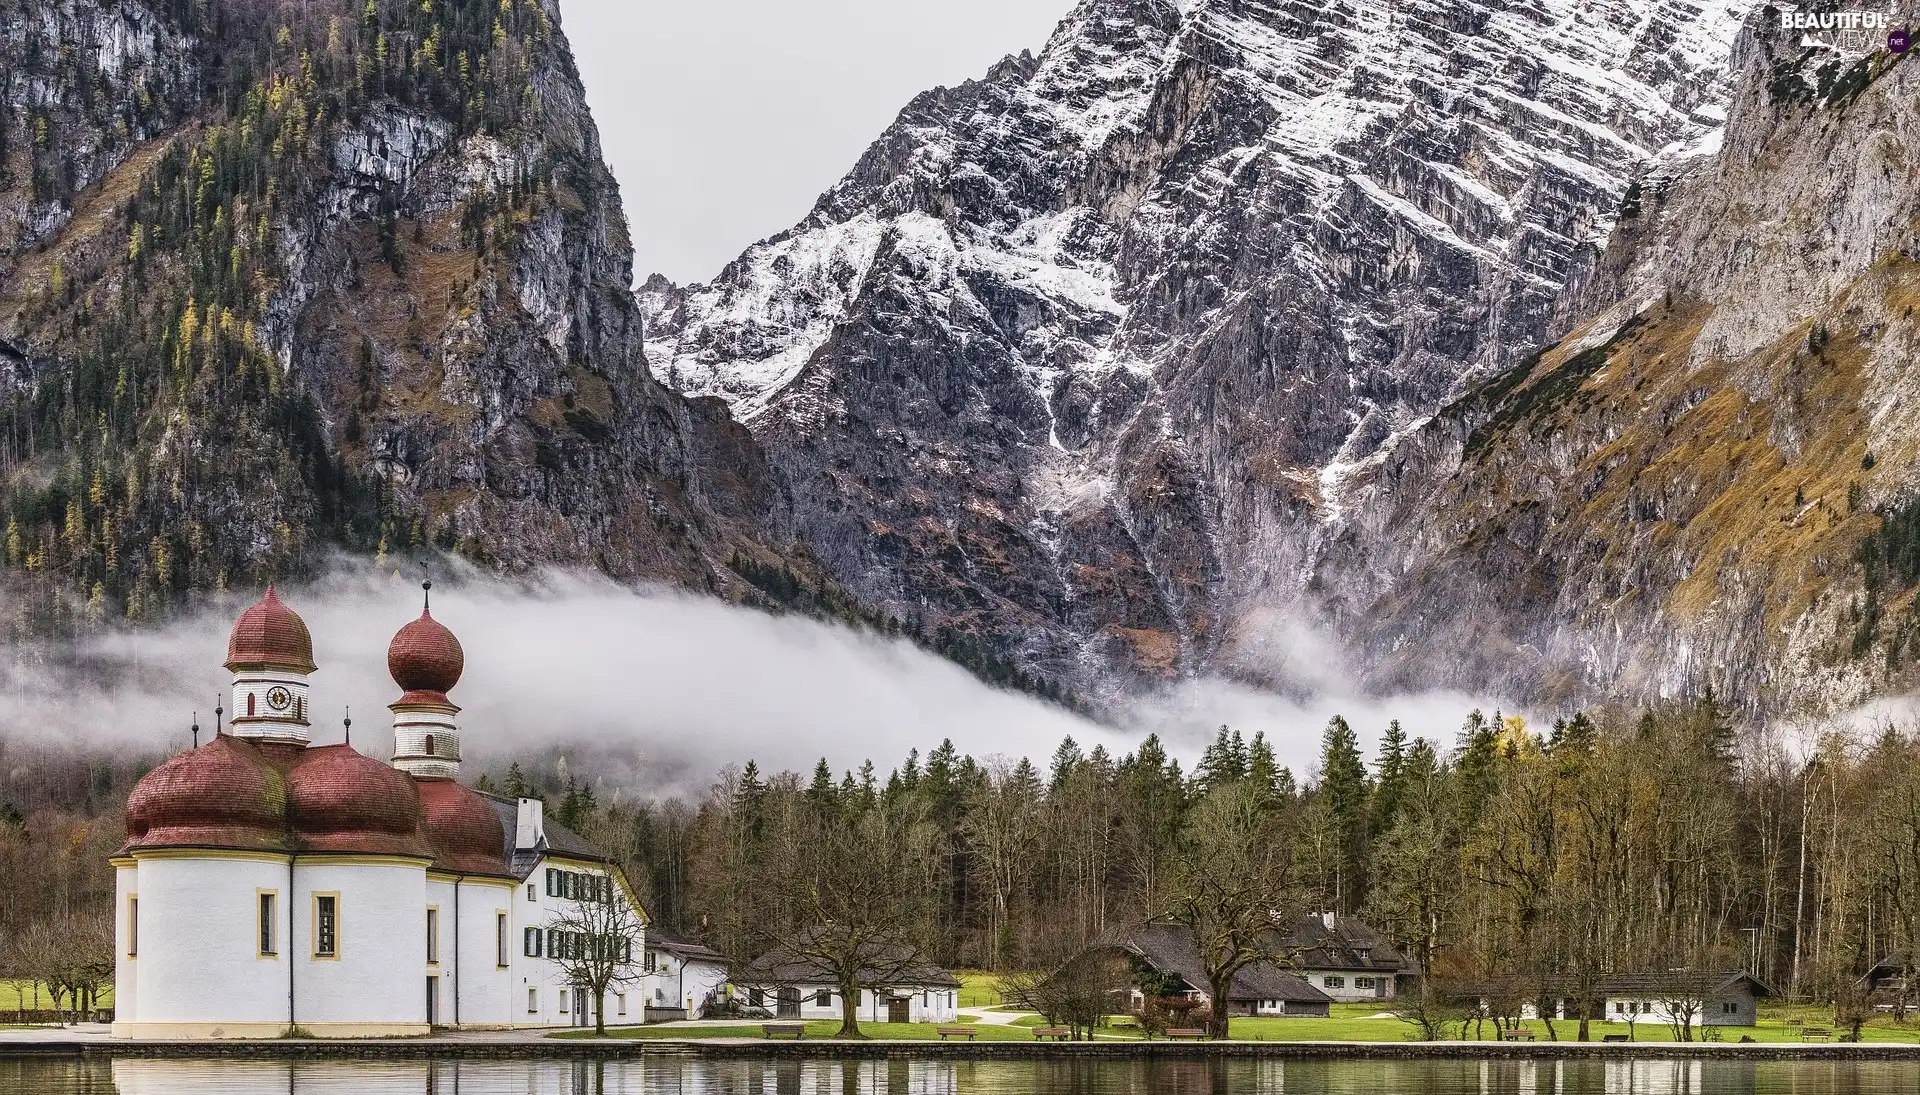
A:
{"points": [[1542, 861], [1613, 841]]}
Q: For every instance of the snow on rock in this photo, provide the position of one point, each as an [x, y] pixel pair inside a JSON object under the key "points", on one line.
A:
{"points": [[1217, 254]]}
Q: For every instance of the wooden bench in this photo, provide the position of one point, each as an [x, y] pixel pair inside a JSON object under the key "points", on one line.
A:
{"points": [[796, 1031], [956, 1032], [1616, 1037], [1058, 1034], [1186, 1032], [1516, 1036], [1816, 1034]]}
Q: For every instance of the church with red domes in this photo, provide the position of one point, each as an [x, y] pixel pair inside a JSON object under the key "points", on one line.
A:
{"points": [[269, 885]]}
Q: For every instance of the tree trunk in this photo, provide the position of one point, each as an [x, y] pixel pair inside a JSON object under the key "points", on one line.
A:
{"points": [[600, 1009], [1217, 1016], [849, 1011]]}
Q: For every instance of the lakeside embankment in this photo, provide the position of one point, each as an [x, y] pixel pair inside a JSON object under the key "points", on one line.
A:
{"points": [[616, 1049]]}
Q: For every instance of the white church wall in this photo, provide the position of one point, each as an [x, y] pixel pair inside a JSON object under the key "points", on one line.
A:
{"points": [[376, 982], [126, 968], [485, 985], [198, 958]]}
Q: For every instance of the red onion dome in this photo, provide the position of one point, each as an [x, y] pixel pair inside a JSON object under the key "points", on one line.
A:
{"points": [[225, 794], [270, 634], [340, 800], [467, 834], [425, 657]]}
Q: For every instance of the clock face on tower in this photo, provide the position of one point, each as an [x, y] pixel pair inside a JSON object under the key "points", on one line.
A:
{"points": [[279, 699]]}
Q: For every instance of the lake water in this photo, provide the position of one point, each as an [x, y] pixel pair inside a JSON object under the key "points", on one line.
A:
{"points": [[682, 1075]]}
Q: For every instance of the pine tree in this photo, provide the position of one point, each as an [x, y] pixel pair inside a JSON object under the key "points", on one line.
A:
{"points": [[1343, 787], [1390, 782]]}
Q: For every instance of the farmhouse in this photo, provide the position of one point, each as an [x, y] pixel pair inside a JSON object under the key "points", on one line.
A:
{"points": [[1711, 998], [269, 884], [1168, 963], [895, 988], [1346, 958]]}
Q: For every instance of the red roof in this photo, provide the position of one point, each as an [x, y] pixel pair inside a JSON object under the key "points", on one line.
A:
{"points": [[270, 635], [225, 794], [467, 834], [235, 794], [425, 657], [341, 800]]}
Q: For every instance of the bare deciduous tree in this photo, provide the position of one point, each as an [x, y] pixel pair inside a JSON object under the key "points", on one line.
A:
{"points": [[597, 939], [1233, 889]]}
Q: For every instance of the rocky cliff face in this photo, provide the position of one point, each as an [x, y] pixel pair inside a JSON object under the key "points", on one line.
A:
{"points": [[1096, 355], [1711, 482], [277, 276]]}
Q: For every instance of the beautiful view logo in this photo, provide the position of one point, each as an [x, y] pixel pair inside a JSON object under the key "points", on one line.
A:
{"points": [[1851, 31]]}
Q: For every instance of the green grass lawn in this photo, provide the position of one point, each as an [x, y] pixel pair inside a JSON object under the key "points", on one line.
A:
{"points": [[1347, 1023], [928, 1032], [18, 994], [978, 988]]}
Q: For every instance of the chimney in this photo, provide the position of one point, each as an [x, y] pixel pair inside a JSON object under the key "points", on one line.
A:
{"points": [[1327, 919], [531, 829]]}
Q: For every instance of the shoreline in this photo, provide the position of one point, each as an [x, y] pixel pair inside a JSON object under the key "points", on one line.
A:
{"points": [[824, 1049]]}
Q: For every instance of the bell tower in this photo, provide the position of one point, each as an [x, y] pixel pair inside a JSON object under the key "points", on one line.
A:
{"points": [[270, 655], [426, 661]]}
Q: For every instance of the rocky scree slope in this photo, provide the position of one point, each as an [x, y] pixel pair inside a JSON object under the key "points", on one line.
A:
{"points": [[1714, 480], [1085, 356], [277, 276]]}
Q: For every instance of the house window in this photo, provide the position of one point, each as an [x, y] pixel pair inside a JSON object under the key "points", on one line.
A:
{"points": [[553, 882], [554, 944], [530, 896], [823, 998], [433, 935], [756, 998], [249, 705], [430, 745], [533, 1000], [1363, 982], [1332, 982], [1728, 1007], [563, 1000], [530, 942], [326, 925], [500, 939], [133, 926], [269, 923], [620, 1001]]}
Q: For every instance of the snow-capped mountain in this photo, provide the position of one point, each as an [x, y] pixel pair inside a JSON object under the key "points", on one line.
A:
{"points": [[1082, 356]]}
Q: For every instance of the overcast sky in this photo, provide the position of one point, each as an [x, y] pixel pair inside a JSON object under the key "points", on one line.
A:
{"points": [[725, 119]]}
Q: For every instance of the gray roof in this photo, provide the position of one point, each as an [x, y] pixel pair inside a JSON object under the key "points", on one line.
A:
{"points": [[658, 940], [1170, 949], [892, 965], [561, 840], [1349, 944], [1655, 983]]}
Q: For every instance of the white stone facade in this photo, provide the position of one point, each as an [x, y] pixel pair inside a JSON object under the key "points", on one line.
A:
{"points": [[921, 1003]]}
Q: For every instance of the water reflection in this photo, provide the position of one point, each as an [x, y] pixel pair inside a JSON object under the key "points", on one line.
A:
{"points": [[687, 1075]]}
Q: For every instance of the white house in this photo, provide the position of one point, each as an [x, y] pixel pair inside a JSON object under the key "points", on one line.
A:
{"points": [[268, 885], [682, 978], [895, 989], [1345, 958], [1712, 998]]}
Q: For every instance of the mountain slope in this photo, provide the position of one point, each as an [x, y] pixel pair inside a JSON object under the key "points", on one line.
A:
{"points": [[1712, 482], [278, 276], [1081, 357]]}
